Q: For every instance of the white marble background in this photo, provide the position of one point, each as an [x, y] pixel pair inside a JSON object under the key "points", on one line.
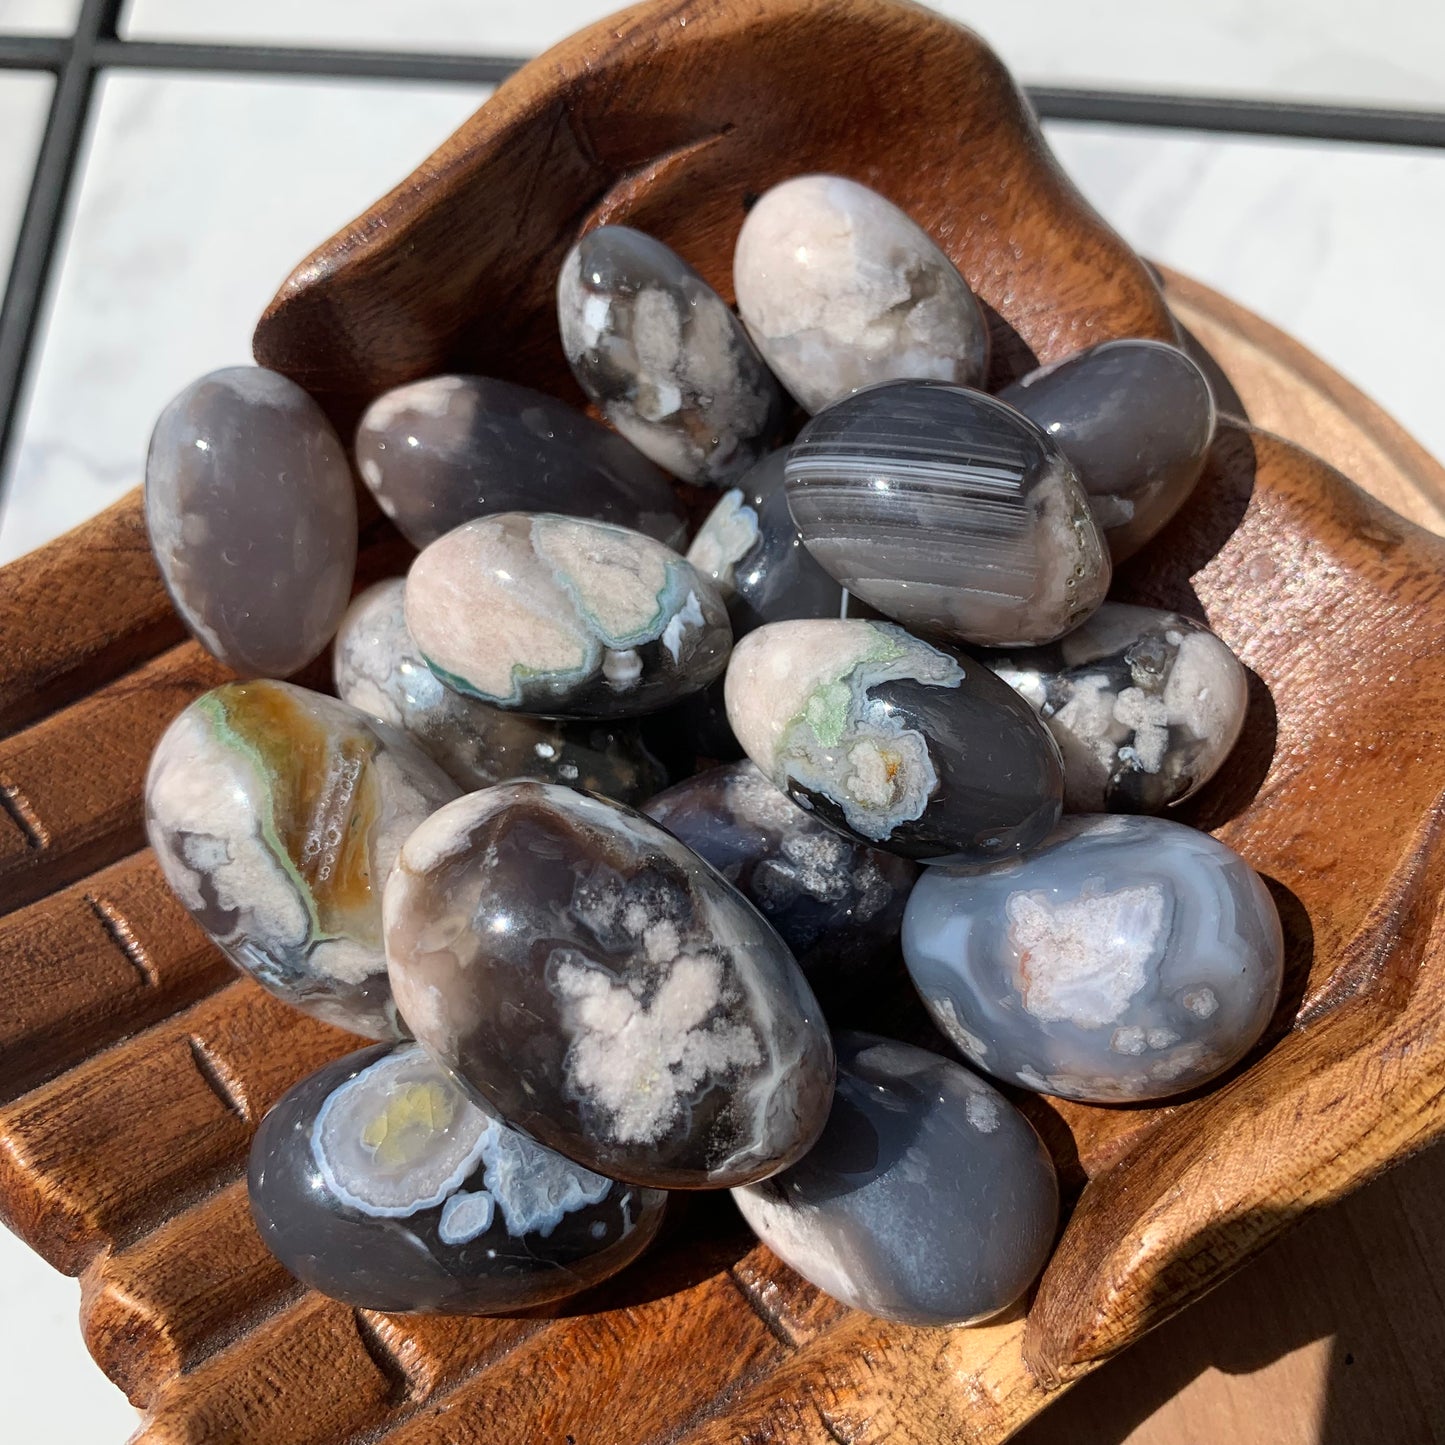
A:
{"points": [[199, 193]]}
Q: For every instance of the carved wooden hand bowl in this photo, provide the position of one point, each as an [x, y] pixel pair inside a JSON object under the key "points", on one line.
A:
{"points": [[133, 1066]]}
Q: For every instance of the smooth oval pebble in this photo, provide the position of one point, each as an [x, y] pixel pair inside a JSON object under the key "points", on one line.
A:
{"points": [[840, 290], [380, 670], [378, 1182], [1135, 418], [663, 358], [275, 814], [564, 617], [893, 741], [604, 990], [929, 1200], [252, 518], [948, 512], [443, 451], [1126, 958], [1144, 705]]}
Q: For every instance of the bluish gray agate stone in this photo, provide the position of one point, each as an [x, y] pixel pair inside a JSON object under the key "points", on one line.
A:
{"points": [[252, 518], [1135, 418], [664, 359], [602, 988], [929, 1200], [440, 452], [1125, 959], [380, 1183]]}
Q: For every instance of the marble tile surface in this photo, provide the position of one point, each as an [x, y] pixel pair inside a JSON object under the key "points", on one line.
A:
{"points": [[37, 17], [24, 97]]}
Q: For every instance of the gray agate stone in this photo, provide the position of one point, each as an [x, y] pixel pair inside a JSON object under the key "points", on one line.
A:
{"points": [[892, 741], [929, 1200], [440, 452], [380, 1183], [663, 358], [1135, 418], [949, 512], [380, 670], [276, 814], [603, 989], [1144, 705], [840, 289], [252, 518], [1125, 959], [564, 617]]}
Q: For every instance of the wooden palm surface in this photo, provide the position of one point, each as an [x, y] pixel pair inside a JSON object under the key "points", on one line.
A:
{"points": [[134, 1066]]}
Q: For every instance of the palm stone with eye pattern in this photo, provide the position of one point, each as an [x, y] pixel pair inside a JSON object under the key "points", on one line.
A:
{"points": [[442, 451], [379, 1182], [929, 1199], [1126, 958], [564, 617], [602, 988], [380, 670], [275, 814], [895, 742]]}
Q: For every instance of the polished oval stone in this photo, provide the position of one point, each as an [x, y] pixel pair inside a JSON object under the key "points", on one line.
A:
{"points": [[691, 734], [1135, 418], [275, 814], [1126, 958], [605, 990], [380, 670], [948, 512], [1144, 705], [564, 617], [840, 289], [443, 451], [929, 1200], [252, 518], [663, 358], [893, 741], [377, 1181]]}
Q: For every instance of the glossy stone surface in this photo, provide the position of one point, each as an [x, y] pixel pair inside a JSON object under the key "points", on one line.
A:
{"points": [[893, 741], [603, 989], [929, 1200], [380, 1183], [1135, 418], [840, 290], [663, 358], [1126, 958], [692, 733], [252, 518], [1144, 705], [948, 512], [564, 617], [380, 670], [443, 451], [275, 814]]}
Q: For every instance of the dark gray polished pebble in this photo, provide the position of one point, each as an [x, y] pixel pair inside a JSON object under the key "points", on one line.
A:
{"points": [[604, 989], [440, 452], [692, 733], [378, 1182], [929, 1200], [252, 518]]}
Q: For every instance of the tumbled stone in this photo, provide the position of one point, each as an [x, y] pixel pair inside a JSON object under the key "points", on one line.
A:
{"points": [[380, 670], [275, 814], [840, 289], [692, 733], [564, 617], [377, 1181], [1144, 705], [949, 512], [1135, 418], [252, 518], [1125, 958], [893, 741], [604, 990], [929, 1199], [663, 358], [443, 451]]}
